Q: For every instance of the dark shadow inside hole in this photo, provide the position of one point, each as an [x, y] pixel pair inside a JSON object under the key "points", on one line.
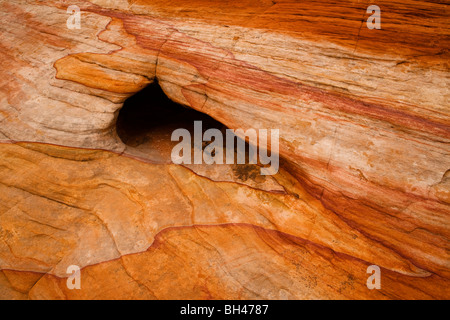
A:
{"points": [[146, 123], [150, 115]]}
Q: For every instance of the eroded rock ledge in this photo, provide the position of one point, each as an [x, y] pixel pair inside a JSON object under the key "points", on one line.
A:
{"points": [[364, 141]]}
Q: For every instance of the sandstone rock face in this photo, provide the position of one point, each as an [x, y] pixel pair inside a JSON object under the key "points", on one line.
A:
{"points": [[364, 124]]}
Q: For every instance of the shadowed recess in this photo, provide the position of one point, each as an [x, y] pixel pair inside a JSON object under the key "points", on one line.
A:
{"points": [[149, 113], [147, 120]]}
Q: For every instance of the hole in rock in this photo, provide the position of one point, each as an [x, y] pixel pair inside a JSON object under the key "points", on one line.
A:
{"points": [[146, 123], [148, 118]]}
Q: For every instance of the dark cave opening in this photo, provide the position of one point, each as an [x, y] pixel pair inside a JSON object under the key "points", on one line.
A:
{"points": [[147, 120], [150, 112]]}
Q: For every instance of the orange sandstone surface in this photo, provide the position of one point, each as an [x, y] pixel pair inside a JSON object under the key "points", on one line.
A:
{"points": [[364, 124]]}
